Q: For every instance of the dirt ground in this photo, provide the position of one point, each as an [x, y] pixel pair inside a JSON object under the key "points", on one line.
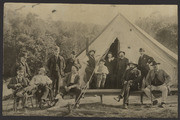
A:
{"points": [[91, 107]]}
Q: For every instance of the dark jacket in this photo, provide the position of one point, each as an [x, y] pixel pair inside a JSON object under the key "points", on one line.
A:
{"points": [[142, 62], [70, 62], [24, 66], [68, 79], [56, 65], [121, 66], [131, 74], [161, 75], [91, 64], [14, 81], [111, 65]]}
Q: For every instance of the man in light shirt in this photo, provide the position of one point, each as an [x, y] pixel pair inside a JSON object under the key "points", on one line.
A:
{"points": [[40, 80]]}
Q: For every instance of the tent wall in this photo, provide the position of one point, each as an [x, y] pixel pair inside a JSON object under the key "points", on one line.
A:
{"points": [[131, 39]]}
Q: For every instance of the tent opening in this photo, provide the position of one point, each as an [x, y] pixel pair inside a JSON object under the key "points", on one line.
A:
{"points": [[114, 48]]}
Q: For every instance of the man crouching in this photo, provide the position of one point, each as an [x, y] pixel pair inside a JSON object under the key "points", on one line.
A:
{"points": [[72, 85], [130, 76]]}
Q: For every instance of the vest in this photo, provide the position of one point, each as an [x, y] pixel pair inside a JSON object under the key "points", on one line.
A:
{"points": [[156, 81]]}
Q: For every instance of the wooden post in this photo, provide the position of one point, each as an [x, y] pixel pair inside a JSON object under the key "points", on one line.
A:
{"points": [[141, 97], [101, 99]]}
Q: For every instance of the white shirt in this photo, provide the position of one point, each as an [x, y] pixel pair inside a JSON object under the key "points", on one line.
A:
{"points": [[40, 79], [101, 69]]}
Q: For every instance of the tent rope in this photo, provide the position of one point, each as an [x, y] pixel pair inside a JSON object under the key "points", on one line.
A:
{"points": [[86, 85]]}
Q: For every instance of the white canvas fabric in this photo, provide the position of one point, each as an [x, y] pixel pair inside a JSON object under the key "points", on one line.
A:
{"points": [[131, 39]]}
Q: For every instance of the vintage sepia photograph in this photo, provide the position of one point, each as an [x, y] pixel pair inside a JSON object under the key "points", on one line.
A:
{"points": [[90, 60]]}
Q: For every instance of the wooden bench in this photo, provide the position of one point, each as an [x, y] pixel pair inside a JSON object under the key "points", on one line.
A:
{"points": [[105, 92]]}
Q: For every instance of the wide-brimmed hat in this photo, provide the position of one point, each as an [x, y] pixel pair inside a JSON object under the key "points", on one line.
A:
{"points": [[91, 51], [141, 50], [131, 62], [103, 60], [122, 52], [155, 63]]}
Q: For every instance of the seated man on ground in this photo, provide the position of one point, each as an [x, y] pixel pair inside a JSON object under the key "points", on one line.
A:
{"points": [[41, 81], [157, 79], [72, 85], [101, 71], [130, 77], [18, 83]]}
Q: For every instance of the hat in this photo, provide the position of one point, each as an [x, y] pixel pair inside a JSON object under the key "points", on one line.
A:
{"points": [[103, 60], [155, 63], [43, 69], [91, 51], [131, 62], [122, 52], [73, 52], [141, 50]]}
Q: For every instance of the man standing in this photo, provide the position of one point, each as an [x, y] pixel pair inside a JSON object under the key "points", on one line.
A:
{"points": [[22, 62], [122, 63], [143, 65], [91, 63], [130, 79], [56, 66], [72, 61], [157, 79]]}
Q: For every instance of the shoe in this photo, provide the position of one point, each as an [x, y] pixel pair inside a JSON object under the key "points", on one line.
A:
{"points": [[155, 102], [118, 98], [163, 105], [125, 106]]}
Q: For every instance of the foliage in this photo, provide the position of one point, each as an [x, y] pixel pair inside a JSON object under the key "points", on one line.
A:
{"points": [[163, 29], [38, 37]]}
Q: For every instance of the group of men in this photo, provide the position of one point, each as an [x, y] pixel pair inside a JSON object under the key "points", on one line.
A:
{"points": [[111, 72], [124, 74]]}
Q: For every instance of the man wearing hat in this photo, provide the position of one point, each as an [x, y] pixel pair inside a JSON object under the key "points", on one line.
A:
{"points": [[72, 84], [56, 65], [122, 63], [143, 64], [91, 63], [101, 72], [130, 77], [18, 83], [157, 79], [42, 81], [72, 61], [22, 62]]}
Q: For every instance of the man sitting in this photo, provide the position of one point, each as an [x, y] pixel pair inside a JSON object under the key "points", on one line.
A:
{"points": [[130, 77], [41, 80], [72, 85], [18, 83], [101, 71], [157, 79]]}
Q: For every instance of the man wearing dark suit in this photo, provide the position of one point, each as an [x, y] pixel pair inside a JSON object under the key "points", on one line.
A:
{"points": [[22, 62], [56, 66], [143, 64], [130, 79], [122, 63], [18, 83], [72, 84]]}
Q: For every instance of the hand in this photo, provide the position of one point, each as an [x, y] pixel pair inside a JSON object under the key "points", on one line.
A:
{"points": [[125, 82], [149, 86], [18, 85]]}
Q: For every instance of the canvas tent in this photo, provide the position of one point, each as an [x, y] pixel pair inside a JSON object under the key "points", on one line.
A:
{"points": [[131, 38]]}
